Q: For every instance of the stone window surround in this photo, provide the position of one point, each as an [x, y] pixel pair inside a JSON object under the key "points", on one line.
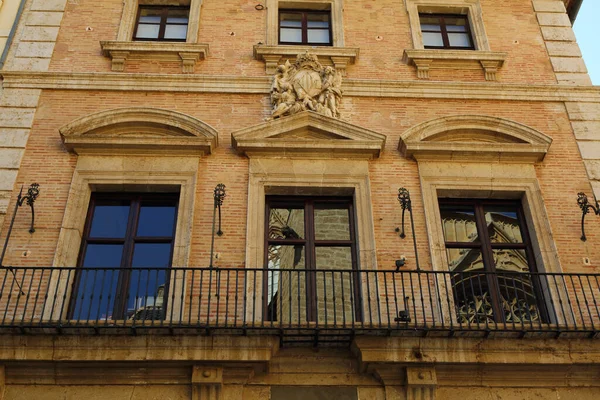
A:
{"points": [[426, 59], [272, 53], [111, 163], [124, 47]]}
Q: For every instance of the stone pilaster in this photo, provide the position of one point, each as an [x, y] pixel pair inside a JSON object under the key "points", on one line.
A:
{"points": [[207, 383]]}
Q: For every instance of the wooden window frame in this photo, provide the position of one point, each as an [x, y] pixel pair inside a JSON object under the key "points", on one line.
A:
{"points": [[128, 241], [486, 247], [307, 203], [163, 23], [441, 19], [304, 27]]}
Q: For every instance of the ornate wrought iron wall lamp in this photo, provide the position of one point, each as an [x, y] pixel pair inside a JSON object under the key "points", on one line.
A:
{"points": [[30, 197], [219, 196], [582, 201], [406, 204]]}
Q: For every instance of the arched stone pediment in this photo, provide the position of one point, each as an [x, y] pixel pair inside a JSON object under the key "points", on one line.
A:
{"points": [[474, 137], [139, 130], [308, 134]]}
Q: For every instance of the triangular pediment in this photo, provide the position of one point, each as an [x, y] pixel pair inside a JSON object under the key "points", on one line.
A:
{"points": [[139, 130], [308, 133], [475, 138]]}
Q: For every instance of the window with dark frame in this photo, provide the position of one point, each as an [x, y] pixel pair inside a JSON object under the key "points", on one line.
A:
{"points": [[157, 23], [489, 251], [446, 31], [125, 254], [305, 27], [315, 236]]}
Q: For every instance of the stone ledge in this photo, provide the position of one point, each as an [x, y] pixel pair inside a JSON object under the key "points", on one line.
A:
{"points": [[339, 57], [425, 60], [188, 53]]}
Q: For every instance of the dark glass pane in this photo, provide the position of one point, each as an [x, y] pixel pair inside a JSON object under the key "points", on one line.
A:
{"points": [[97, 288], [464, 259], [431, 27], [317, 20], [332, 224], [156, 221], [290, 35], [103, 256], [286, 223], [458, 223], [472, 298], [109, 221], [459, 40], [432, 39], [285, 288], [151, 255], [518, 299], [425, 20], [146, 296], [177, 16], [456, 28], [455, 23], [318, 36], [503, 224], [149, 19]]}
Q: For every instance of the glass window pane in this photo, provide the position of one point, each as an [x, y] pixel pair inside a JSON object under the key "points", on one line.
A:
{"points": [[110, 221], [518, 298], [459, 40], [452, 22], [503, 224], [175, 31], [333, 258], [317, 20], [290, 20], [286, 290], [318, 24], [290, 35], [465, 260], [318, 36], [150, 19], [286, 223], [147, 31], [431, 27], [458, 223], [333, 301], [151, 255], [156, 221], [472, 298], [512, 260], [432, 39], [332, 224], [103, 256], [456, 28], [425, 20], [146, 295]]}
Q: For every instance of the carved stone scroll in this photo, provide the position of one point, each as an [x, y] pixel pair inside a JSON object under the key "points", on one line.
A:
{"points": [[306, 85]]}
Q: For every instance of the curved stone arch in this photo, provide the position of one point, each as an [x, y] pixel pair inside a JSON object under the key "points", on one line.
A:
{"points": [[139, 129], [512, 140]]}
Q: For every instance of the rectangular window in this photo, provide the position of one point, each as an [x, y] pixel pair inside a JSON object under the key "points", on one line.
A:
{"points": [[310, 256], [446, 31], [162, 23], [490, 253], [125, 254], [305, 27]]}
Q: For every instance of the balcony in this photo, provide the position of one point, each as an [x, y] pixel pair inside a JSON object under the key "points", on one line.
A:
{"points": [[298, 305]]}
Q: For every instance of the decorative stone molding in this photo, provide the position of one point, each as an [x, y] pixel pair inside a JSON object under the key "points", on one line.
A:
{"points": [[207, 383], [2, 381], [188, 53], [426, 60], [139, 131], [469, 137], [421, 383], [306, 135], [245, 84], [338, 57]]}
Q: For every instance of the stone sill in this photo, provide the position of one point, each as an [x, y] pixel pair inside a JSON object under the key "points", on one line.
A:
{"points": [[425, 59], [338, 57], [188, 53]]}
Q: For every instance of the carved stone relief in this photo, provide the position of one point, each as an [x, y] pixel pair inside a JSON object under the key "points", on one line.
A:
{"points": [[306, 85]]}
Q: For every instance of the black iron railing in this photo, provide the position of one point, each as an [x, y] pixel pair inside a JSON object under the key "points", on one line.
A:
{"points": [[288, 302]]}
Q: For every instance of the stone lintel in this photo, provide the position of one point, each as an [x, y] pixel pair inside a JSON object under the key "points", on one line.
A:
{"points": [[188, 53], [338, 57], [427, 59]]}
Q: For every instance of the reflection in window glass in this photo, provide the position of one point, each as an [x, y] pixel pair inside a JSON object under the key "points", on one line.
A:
{"points": [[110, 221]]}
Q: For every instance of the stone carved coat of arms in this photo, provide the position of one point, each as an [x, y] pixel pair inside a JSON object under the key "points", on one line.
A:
{"points": [[306, 85]]}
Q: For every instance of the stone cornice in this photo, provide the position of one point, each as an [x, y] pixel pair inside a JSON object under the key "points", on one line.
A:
{"points": [[339, 57], [262, 84]]}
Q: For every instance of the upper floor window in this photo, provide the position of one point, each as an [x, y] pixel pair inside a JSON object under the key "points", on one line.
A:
{"points": [[446, 31], [305, 27], [162, 23]]}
